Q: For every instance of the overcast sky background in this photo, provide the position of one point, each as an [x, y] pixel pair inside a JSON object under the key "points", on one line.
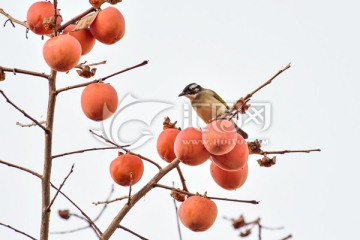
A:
{"points": [[232, 47]]}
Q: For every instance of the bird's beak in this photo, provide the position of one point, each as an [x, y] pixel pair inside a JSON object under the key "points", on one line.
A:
{"points": [[181, 94]]}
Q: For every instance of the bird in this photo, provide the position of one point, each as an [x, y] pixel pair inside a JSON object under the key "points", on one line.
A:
{"points": [[207, 104]]}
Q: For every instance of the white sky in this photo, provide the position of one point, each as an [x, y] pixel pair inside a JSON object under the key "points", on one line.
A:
{"points": [[232, 47]]}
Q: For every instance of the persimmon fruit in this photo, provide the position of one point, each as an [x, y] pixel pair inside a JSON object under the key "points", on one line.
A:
{"points": [[99, 101], [62, 52], [236, 158], [40, 18], [229, 180], [108, 26], [219, 137], [188, 147], [84, 36], [198, 213], [126, 169], [165, 144]]}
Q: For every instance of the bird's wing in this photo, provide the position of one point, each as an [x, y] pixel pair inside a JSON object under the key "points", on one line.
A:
{"points": [[220, 99]]}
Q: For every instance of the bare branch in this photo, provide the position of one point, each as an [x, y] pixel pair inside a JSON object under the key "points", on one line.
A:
{"points": [[12, 19], [26, 72], [61, 185], [177, 216], [16, 230], [287, 237], [248, 96], [47, 163], [53, 186], [130, 188], [21, 168], [135, 198], [289, 151], [101, 79], [33, 124], [182, 178], [86, 150], [75, 19], [242, 105], [126, 150], [214, 198], [132, 232], [23, 112], [105, 206], [88, 219], [110, 201], [94, 220]]}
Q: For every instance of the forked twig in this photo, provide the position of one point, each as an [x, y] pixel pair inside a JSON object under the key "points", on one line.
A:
{"points": [[59, 189], [23, 112]]}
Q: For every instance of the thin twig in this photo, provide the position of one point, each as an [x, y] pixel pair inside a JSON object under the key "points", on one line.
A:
{"points": [[81, 65], [130, 188], [105, 206], [75, 19], [12, 19], [126, 150], [177, 217], [248, 96], [21, 168], [182, 178], [214, 198], [30, 124], [136, 197], [91, 222], [287, 237], [26, 72], [93, 225], [23, 112], [110, 201], [61, 185], [132, 232], [101, 79], [18, 231], [86, 150], [94, 220], [289, 151]]}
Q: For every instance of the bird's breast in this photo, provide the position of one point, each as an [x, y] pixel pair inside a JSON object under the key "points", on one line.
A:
{"points": [[208, 109]]}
